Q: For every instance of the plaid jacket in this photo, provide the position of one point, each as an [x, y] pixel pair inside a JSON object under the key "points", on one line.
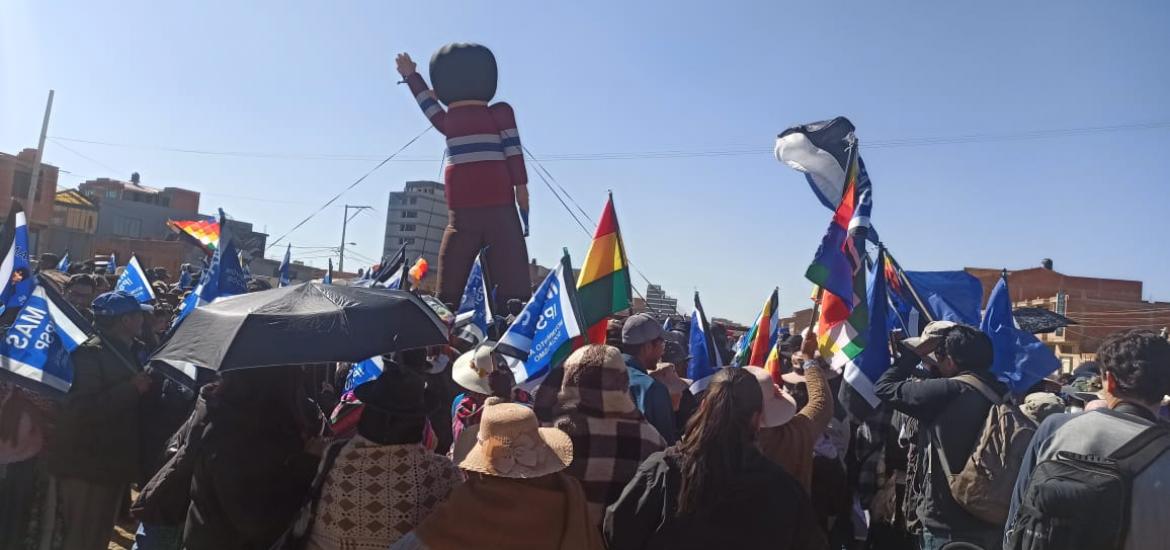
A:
{"points": [[610, 437]]}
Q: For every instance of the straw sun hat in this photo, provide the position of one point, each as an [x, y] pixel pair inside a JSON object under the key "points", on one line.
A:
{"points": [[510, 443]]}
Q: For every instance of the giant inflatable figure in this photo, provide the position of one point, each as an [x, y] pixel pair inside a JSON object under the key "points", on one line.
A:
{"points": [[484, 174]]}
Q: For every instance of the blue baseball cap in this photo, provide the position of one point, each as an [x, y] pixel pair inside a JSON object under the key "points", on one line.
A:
{"points": [[118, 302]]}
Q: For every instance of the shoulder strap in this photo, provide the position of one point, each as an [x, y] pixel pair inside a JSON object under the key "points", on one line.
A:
{"points": [[980, 386], [1141, 451]]}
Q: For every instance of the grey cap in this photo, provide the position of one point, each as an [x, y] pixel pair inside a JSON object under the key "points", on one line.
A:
{"points": [[641, 328]]}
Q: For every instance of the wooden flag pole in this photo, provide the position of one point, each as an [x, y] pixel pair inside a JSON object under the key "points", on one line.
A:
{"points": [[906, 281]]}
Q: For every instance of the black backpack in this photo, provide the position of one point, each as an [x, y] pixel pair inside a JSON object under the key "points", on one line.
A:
{"points": [[1075, 502]]}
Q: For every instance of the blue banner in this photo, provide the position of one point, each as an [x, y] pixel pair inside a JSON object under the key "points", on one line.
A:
{"points": [[133, 280], [1021, 359], [548, 322], [284, 279], [363, 372], [15, 271], [38, 344], [224, 277], [476, 304]]}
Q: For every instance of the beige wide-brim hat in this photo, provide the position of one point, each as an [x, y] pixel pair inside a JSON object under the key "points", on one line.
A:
{"points": [[510, 443], [472, 369], [779, 406], [793, 378], [932, 335]]}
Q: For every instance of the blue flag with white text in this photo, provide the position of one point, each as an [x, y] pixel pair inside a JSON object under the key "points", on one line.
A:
{"points": [[63, 265], [543, 332], [224, 277], [133, 280], [37, 345], [15, 271], [1021, 359], [363, 372], [475, 305]]}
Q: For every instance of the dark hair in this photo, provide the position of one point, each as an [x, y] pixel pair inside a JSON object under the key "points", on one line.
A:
{"points": [[613, 333], [969, 347], [718, 437], [388, 429], [1140, 361], [272, 395], [461, 72], [48, 260], [81, 279]]}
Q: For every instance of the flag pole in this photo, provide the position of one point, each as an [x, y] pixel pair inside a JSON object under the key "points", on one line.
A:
{"points": [[906, 281]]}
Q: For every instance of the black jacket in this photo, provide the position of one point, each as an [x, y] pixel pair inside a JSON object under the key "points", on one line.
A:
{"points": [[763, 508], [249, 480], [957, 412], [97, 435]]}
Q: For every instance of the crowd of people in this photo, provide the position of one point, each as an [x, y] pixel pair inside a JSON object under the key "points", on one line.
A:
{"points": [[612, 449]]}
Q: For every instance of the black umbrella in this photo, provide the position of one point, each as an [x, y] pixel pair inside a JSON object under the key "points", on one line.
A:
{"points": [[1038, 320], [306, 323]]}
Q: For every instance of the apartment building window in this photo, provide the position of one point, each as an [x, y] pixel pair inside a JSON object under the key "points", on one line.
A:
{"points": [[128, 227], [409, 213], [413, 200], [1061, 308], [20, 183], [406, 240], [406, 227]]}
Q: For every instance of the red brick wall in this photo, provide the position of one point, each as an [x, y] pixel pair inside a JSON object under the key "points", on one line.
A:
{"points": [[183, 199], [151, 253], [40, 214]]}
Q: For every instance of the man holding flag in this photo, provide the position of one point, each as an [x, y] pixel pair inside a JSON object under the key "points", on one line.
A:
{"points": [[94, 454]]}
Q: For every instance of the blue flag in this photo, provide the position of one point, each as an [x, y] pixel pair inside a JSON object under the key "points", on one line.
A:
{"points": [[328, 278], [184, 278], [1021, 359], [63, 265], [44, 333], [15, 272], [475, 309], [704, 353], [950, 295], [284, 280], [543, 333], [133, 280], [224, 277], [874, 360], [363, 372], [112, 264]]}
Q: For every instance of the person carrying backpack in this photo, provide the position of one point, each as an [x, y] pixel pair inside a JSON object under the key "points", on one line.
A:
{"points": [[1100, 479], [952, 410]]}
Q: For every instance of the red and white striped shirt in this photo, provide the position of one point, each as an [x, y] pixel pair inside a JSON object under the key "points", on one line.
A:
{"points": [[484, 160]]}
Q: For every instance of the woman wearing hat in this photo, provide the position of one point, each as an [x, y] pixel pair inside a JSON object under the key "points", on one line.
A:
{"points": [[787, 437], [714, 489], [610, 437], [516, 497], [384, 481]]}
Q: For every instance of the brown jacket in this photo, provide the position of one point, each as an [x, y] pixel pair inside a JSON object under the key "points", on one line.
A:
{"points": [[96, 437], [791, 444]]}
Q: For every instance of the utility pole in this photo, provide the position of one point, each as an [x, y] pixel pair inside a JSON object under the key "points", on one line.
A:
{"points": [[345, 222], [36, 168]]}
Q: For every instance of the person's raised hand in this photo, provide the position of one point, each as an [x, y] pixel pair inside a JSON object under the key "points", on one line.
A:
{"points": [[808, 346], [406, 66]]}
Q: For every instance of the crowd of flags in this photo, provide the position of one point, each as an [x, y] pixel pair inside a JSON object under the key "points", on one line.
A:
{"points": [[859, 298]]}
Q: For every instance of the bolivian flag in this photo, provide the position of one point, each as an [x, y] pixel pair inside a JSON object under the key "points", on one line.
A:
{"points": [[603, 288]]}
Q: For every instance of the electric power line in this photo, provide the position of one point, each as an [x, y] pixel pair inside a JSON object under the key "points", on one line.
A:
{"points": [[670, 154], [350, 186]]}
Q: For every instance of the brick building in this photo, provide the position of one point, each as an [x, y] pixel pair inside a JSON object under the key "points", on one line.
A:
{"points": [[15, 178]]}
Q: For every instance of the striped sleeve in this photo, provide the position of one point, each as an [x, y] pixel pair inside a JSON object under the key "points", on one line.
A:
{"points": [[510, 138], [427, 102]]}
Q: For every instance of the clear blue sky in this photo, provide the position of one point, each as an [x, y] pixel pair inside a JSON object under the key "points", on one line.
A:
{"points": [[601, 77]]}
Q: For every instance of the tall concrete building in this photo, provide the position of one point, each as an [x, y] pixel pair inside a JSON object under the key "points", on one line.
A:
{"points": [[416, 217], [658, 302]]}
